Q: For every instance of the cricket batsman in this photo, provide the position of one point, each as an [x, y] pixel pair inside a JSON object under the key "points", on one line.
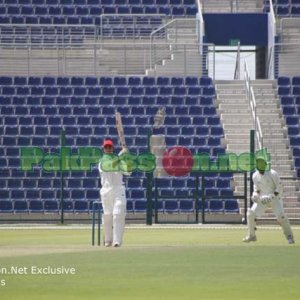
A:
{"points": [[113, 200], [268, 192]]}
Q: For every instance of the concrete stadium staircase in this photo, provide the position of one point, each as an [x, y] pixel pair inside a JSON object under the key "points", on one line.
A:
{"points": [[276, 141], [184, 58], [237, 122]]}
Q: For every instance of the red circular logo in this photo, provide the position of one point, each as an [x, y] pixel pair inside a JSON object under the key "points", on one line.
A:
{"points": [[178, 161]]}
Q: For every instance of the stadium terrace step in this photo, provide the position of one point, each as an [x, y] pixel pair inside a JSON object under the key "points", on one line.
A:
{"points": [[221, 93], [239, 136], [238, 131], [233, 97], [264, 82], [226, 6], [238, 148], [235, 110], [239, 118], [230, 85], [231, 100], [228, 106]]}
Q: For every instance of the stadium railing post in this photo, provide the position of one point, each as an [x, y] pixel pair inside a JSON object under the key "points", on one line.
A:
{"points": [[203, 198], [197, 198], [62, 215], [149, 188]]}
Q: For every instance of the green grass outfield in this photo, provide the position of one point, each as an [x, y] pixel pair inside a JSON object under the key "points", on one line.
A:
{"points": [[158, 264]]}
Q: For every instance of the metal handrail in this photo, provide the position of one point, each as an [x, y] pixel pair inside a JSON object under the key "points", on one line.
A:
{"points": [[272, 35], [272, 12], [270, 63], [163, 32], [200, 26], [253, 106], [237, 71]]}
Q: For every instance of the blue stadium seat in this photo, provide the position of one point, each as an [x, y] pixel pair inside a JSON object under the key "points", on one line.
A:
{"points": [[68, 206], [13, 10], [186, 206], [123, 9], [287, 100], [52, 2], [5, 205], [148, 81], [20, 206], [177, 10], [136, 9], [289, 110], [295, 141], [171, 206], [96, 11], [212, 192], [121, 81], [35, 206], [222, 183], [163, 81], [200, 206], [205, 81], [295, 10], [2, 10], [216, 206], [191, 10], [191, 81], [282, 10], [4, 20], [226, 192], [139, 206], [151, 9], [209, 91], [293, 130], [296, 90], [51, 206], [177, 81], [213, 141], [129, 206], [165, 90], [297, 163], [41, 10], [185, 141], [213, 120], [292, 120], [81, 206], [82, 10], [284, 80], [231, 206]]}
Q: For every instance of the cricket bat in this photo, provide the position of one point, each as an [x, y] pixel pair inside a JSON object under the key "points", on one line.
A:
{"points": [[120, 130]]}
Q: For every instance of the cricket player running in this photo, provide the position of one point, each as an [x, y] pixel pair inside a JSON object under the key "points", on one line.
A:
{"points": [[267, 193], [113, 201]]}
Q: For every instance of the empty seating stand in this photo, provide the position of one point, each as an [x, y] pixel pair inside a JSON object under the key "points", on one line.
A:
{"points": [[289, 93], [284, 8], [35, 109], [87, 12]]}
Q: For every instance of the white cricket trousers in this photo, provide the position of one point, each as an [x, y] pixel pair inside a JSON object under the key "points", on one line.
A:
{"points": [[114, 213], [258, 209]]}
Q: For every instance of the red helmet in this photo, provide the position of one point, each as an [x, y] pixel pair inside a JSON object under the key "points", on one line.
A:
{"points": [[108, 143]]}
